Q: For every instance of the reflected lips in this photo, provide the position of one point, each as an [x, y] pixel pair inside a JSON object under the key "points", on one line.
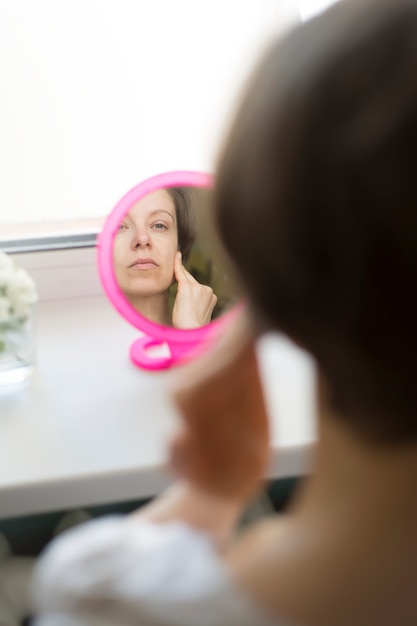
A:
{"points": [[143, 264]]}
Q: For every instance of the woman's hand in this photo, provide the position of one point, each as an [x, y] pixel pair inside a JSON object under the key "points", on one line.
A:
{"points": [[223, 446], [194, 302], [221, 452]]}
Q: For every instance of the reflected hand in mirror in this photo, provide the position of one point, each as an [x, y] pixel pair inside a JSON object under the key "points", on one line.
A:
{"points": [[160, 263], [194, 302]]}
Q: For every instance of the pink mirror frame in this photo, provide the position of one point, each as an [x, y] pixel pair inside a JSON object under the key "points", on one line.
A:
{"points": [[182, 344]]}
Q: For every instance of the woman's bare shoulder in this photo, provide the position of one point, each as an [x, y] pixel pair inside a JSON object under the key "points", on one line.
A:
{"points": [[254, 560]]}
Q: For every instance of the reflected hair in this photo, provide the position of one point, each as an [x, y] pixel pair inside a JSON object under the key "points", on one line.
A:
{"points": [[316, 202], [183, 200]]}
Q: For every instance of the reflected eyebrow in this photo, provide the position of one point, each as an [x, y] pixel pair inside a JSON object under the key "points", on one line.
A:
{"points": [[155, 211]]}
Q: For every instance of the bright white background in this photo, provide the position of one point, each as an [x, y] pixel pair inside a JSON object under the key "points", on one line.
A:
{"points": [[97, 95]]}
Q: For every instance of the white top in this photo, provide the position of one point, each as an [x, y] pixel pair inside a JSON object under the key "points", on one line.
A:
{"points": [[131, 572]]}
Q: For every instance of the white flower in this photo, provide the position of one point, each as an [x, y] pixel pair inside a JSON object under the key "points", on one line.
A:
{"points": [[21, 292], [17, 292], [6, 269], [5, 313]]}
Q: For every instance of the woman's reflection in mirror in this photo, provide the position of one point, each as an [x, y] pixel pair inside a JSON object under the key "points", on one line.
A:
{"points": [[151, 246]]}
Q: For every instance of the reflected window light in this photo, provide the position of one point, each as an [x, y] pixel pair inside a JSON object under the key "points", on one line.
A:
{"points": [[310, 8]]}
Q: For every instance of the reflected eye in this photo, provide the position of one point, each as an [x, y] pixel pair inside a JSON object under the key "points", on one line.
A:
{"points": [[160, 226], [122, 227]]}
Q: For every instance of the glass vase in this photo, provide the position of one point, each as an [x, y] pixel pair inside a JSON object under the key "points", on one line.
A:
{"points": [[17, 350]]}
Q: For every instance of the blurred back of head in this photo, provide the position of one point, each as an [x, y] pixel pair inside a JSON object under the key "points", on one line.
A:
{"points": [[316, 202]]}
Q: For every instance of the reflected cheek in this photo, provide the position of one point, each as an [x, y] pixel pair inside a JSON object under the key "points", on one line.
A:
{"points": [[169, 273], [168, 253], [172, 265]]}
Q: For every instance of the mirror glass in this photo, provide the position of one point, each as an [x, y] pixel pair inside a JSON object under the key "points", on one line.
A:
{"points": [[164, 269], [167, 262]]}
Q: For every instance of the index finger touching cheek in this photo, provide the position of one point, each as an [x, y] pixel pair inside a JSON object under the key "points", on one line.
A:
{"points": [[179, 269]]}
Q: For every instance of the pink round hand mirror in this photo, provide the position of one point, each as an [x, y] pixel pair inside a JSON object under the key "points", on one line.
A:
{"points": [[164, 270]]}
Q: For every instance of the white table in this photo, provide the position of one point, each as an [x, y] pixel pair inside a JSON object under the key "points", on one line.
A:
{"points": [[91, 429]]}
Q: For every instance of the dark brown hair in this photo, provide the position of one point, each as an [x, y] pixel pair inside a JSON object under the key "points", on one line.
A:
{"points": [[186, 218], [316, 202]]}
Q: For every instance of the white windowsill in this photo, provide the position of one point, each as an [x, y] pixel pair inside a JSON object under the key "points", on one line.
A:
{"points": [[90, 428]]}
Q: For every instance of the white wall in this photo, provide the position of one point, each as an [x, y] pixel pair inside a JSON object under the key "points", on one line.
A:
{"points": [[99, 94]]}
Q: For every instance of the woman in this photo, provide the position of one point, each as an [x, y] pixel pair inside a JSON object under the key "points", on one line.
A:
{"points": [[153, 241], [316, 202]]}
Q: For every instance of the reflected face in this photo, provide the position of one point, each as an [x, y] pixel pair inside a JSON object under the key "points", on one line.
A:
{"points": [[145, 246]]}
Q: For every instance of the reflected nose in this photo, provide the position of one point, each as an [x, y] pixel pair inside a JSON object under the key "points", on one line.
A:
{"points": [[141, 239]]}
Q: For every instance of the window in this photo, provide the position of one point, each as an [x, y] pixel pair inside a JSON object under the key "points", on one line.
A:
{"points": [[98, 95], [309, 8]]}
